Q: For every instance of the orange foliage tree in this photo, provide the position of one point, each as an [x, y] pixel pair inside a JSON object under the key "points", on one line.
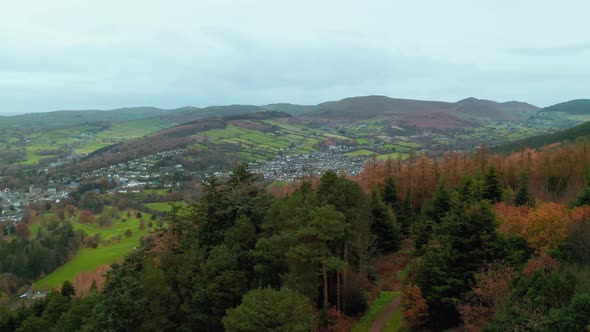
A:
{"points": [[415, 306], [491, 291], [86, 217], [22, 229], [512, 218], [542, 262], [546, 226]]}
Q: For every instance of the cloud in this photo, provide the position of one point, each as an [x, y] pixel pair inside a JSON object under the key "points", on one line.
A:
{"points": [[555, 51], [83, 54]]}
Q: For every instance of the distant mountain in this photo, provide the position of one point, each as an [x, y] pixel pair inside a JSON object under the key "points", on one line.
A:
{"points": [[33, 122], [487, 109], [291, 108], [573, 107], [419, 113]]}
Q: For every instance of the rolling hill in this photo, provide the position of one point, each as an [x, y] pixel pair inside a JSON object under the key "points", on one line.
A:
{"points": [[418, 113], [576, 133], [371, 122], [200, 137], [572, 107]]}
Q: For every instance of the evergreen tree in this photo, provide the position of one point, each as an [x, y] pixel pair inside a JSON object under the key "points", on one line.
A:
{"points": [[390, 197], [318, 230], [443, 199], [389, 194], [384, 226], [493, 188], [584, 197], [266, 309], [464, 241], [67, 289], [522, 194]]}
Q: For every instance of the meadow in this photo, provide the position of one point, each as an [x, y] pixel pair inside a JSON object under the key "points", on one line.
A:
{"points": [[115, 244]]}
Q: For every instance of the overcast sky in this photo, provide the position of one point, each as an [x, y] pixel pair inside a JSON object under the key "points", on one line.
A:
{"points": [[100, 54]]}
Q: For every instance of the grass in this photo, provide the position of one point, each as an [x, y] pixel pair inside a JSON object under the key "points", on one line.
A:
{"points": [[162, 206], [375, 310], [89, 259], [393, 156], [395, 321], [360, 153]]}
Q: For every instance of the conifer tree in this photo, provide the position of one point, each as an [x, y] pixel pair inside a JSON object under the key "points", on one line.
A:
{"points": [[522, 194], [390, 197], [384, 226], [493, 188], [584, 197]]}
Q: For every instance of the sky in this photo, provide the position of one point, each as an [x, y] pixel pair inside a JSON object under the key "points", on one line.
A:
{"points": [[77, 54]]}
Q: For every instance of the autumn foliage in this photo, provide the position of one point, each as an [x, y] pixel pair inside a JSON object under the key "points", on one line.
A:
{"points": [[512, 218], [22, 229], [543, 262], [86, 217], [546, 226], [491, 291], [84, 281], [415, 306]]}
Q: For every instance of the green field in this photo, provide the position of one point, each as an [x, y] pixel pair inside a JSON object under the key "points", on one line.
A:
{"points": [[84, 138], [163, 206], [360, 153], [374, 310], [89, 259]]}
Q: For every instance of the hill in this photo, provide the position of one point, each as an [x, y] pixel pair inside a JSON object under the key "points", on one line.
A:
{"points": [[576, 133], [389, 125], [34, 122], [199, 137], [572, 107], [419, 113]]}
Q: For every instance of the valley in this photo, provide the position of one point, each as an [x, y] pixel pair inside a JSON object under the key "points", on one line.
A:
{"points": [[109, 189]]}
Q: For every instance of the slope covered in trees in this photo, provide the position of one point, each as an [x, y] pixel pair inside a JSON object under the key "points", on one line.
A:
{"points": [[581, 132], [574, 107]]}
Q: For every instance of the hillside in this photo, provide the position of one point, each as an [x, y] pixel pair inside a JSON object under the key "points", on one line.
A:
{"points": [[573, 107], [421, 114], [387, 126], [199, 137], [579, 132], [34, 122]]}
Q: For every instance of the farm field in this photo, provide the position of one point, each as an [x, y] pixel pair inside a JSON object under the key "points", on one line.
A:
{"points": [[83, 139]]}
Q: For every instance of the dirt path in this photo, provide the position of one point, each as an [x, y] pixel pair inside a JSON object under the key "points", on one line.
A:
{"points": [[383, 318]]}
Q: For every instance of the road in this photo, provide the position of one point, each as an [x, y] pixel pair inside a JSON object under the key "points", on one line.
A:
{"points": [[383, 318]]}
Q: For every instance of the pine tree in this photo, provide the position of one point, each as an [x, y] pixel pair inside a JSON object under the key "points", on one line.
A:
{"points": [[465, 240], [67, 289], [443, 200], [522, 194], [384, 226], [390, 197], [493, 188], [584, 197]]}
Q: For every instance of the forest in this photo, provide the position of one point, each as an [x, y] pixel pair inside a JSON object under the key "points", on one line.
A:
{"points": [[494, 243]]}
